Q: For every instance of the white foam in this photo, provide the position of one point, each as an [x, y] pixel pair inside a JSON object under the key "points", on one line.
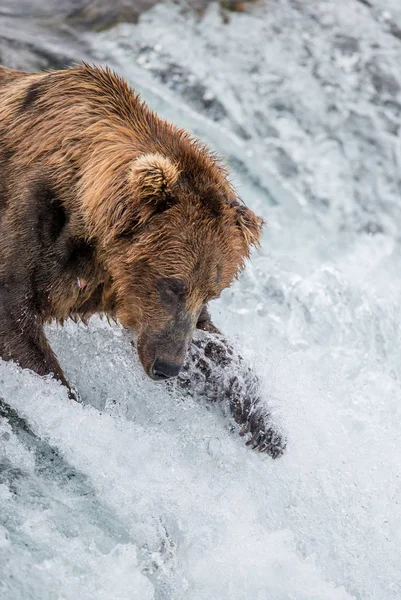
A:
{"points": [[153, 496]]}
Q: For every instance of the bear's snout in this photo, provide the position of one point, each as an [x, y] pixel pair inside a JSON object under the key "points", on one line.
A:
{"points": [[163, 353], [164, 369]]}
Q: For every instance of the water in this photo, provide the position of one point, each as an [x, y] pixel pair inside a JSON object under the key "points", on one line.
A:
{"points": [[140, 494]]}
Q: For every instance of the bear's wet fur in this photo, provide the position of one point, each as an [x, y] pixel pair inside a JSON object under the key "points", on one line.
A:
{"points": [[106, 208]]}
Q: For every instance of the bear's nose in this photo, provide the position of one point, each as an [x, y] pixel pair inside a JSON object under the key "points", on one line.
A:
{"points": [[163, 369]]}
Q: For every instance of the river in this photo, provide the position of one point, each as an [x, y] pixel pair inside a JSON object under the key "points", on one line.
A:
{"points": [[141, 494]]}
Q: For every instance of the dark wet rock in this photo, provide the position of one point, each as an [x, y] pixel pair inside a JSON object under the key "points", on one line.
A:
{"points": [[49, 462], [52, 466], [45, 34], [33, 37], [103, 14], [27, 56]]}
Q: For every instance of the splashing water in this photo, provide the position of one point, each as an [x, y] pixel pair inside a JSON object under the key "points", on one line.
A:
{"points": [[144, 493]]}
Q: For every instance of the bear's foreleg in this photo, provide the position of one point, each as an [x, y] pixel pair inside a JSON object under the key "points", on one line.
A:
{"points": [[22, 340]]}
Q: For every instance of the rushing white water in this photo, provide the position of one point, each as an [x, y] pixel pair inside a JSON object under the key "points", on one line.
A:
{"points": [[138, 494]]}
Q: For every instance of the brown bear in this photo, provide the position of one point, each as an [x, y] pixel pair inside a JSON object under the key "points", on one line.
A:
{"points": [[106, 208]]}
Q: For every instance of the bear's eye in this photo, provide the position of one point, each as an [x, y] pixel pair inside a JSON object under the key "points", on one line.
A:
{"points": [[171, 290], [176, 287]]}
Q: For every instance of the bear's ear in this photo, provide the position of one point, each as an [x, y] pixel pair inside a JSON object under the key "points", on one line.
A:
{"points": [[152, 178], [249, 224]]}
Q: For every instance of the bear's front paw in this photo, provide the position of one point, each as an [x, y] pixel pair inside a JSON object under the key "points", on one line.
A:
{"points": [[214, 371]]}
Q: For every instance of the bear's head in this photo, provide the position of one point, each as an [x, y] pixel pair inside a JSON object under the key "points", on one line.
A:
{"points": [[177, 236]]}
